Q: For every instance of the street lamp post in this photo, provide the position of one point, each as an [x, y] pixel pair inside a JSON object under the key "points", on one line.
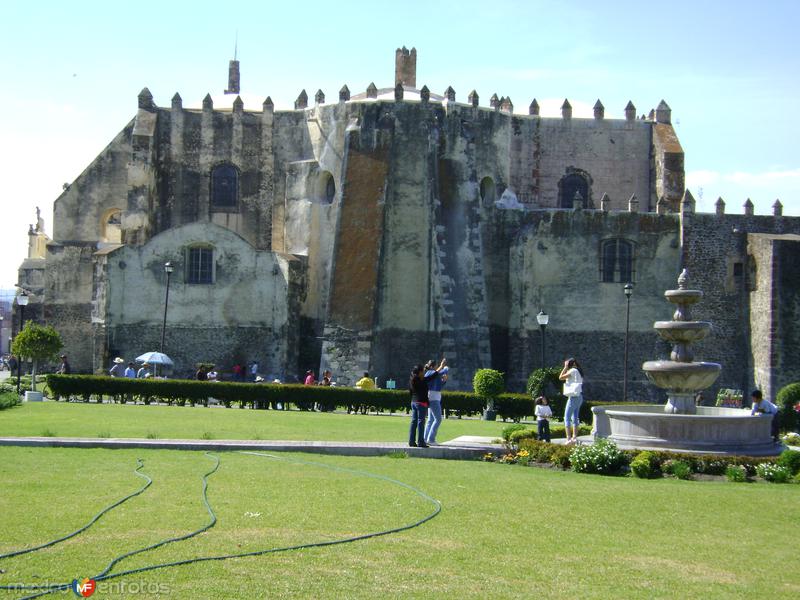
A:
{"points": [[1, 335], [543, 318], [628, 290], [22, 302], [168, 268]]}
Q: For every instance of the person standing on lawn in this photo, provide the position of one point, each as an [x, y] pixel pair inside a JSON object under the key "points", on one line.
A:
{"points": [[438, 379], [543, 413], [572, 376], [117, 370], [418, 387]]}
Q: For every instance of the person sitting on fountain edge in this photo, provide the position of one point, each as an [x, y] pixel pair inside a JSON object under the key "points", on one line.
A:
{"points": [[762, 406]]}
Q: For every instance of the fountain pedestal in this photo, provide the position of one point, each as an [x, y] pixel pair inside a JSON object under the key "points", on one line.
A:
{"points": [[680, 404], [680, 425]]}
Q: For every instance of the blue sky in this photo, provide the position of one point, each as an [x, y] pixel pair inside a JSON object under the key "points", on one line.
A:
{"points": [[728, 70]]}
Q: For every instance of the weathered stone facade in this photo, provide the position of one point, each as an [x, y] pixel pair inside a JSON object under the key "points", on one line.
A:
{"points": [[396, 225]]}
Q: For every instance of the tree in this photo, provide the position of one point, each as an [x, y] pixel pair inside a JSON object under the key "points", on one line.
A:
{"points": [[488, 384], [38, 343]]}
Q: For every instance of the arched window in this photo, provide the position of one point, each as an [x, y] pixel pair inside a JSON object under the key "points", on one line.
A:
{"points": [[111, 226], [616, 261], [572, 189], [326, 188], [200, 264], [224, 186]]}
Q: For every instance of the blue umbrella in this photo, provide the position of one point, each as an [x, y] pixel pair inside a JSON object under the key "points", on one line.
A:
{"points": [[155, 358]]}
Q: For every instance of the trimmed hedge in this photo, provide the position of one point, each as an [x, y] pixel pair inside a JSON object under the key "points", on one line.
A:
{"points": [[509, 406], [259, 395]]}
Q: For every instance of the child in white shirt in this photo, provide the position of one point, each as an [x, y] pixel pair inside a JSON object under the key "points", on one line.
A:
{"points": [[543, 414]]}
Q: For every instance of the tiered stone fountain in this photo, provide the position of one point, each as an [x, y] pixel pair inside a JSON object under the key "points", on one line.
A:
{"points": [[680, 425]]}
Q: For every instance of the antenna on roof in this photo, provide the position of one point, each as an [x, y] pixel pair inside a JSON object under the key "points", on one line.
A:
{"points": [[236, 45]]}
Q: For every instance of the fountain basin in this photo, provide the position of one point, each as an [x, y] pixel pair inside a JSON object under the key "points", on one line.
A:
{"points": [[684, 332], [681, 377], [711, 430], [682, 296]]}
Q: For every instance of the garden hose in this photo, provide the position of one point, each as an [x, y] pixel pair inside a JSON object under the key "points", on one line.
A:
{"points": [[105, 575], [213, 520], [139, 465]]}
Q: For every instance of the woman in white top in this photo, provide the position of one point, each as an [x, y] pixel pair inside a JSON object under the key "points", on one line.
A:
{"points": [[572, 376]]}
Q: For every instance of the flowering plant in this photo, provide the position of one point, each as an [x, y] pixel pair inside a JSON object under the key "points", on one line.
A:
{"points": [[509, 458], [601, 457], [773, 473], [729, 398], [791, 439]]}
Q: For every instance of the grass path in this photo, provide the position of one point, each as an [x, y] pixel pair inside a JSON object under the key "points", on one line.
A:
{"points": [[504, 531], [163, 422]]}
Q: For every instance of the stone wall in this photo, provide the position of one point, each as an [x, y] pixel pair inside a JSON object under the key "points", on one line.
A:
{"points": [[554, 263], [529, 155], [355, 266], [712, 246], [102, 186], [68, 299], [249, 312], [774, 298], [787, 365]]}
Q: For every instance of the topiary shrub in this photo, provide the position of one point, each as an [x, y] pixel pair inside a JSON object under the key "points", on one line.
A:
{"points": [[645, 465], [488, 384], [40, 343], [788, 400], [602, 457], [791, 460]]}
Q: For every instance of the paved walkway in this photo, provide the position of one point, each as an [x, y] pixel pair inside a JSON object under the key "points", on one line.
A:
{"points": [[463, 448]]}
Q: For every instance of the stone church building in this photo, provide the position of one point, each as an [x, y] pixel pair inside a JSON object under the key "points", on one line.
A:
{"points": [[386, 227]]}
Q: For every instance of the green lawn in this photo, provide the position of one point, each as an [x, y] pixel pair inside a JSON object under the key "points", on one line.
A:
{"points": [[138, 421], [504, 531]]}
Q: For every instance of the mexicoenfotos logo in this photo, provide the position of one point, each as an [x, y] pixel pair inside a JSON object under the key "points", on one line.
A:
{"points": [[84, 588]]}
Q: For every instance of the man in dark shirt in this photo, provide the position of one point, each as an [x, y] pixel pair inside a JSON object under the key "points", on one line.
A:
{"points": [[64, 369]]}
